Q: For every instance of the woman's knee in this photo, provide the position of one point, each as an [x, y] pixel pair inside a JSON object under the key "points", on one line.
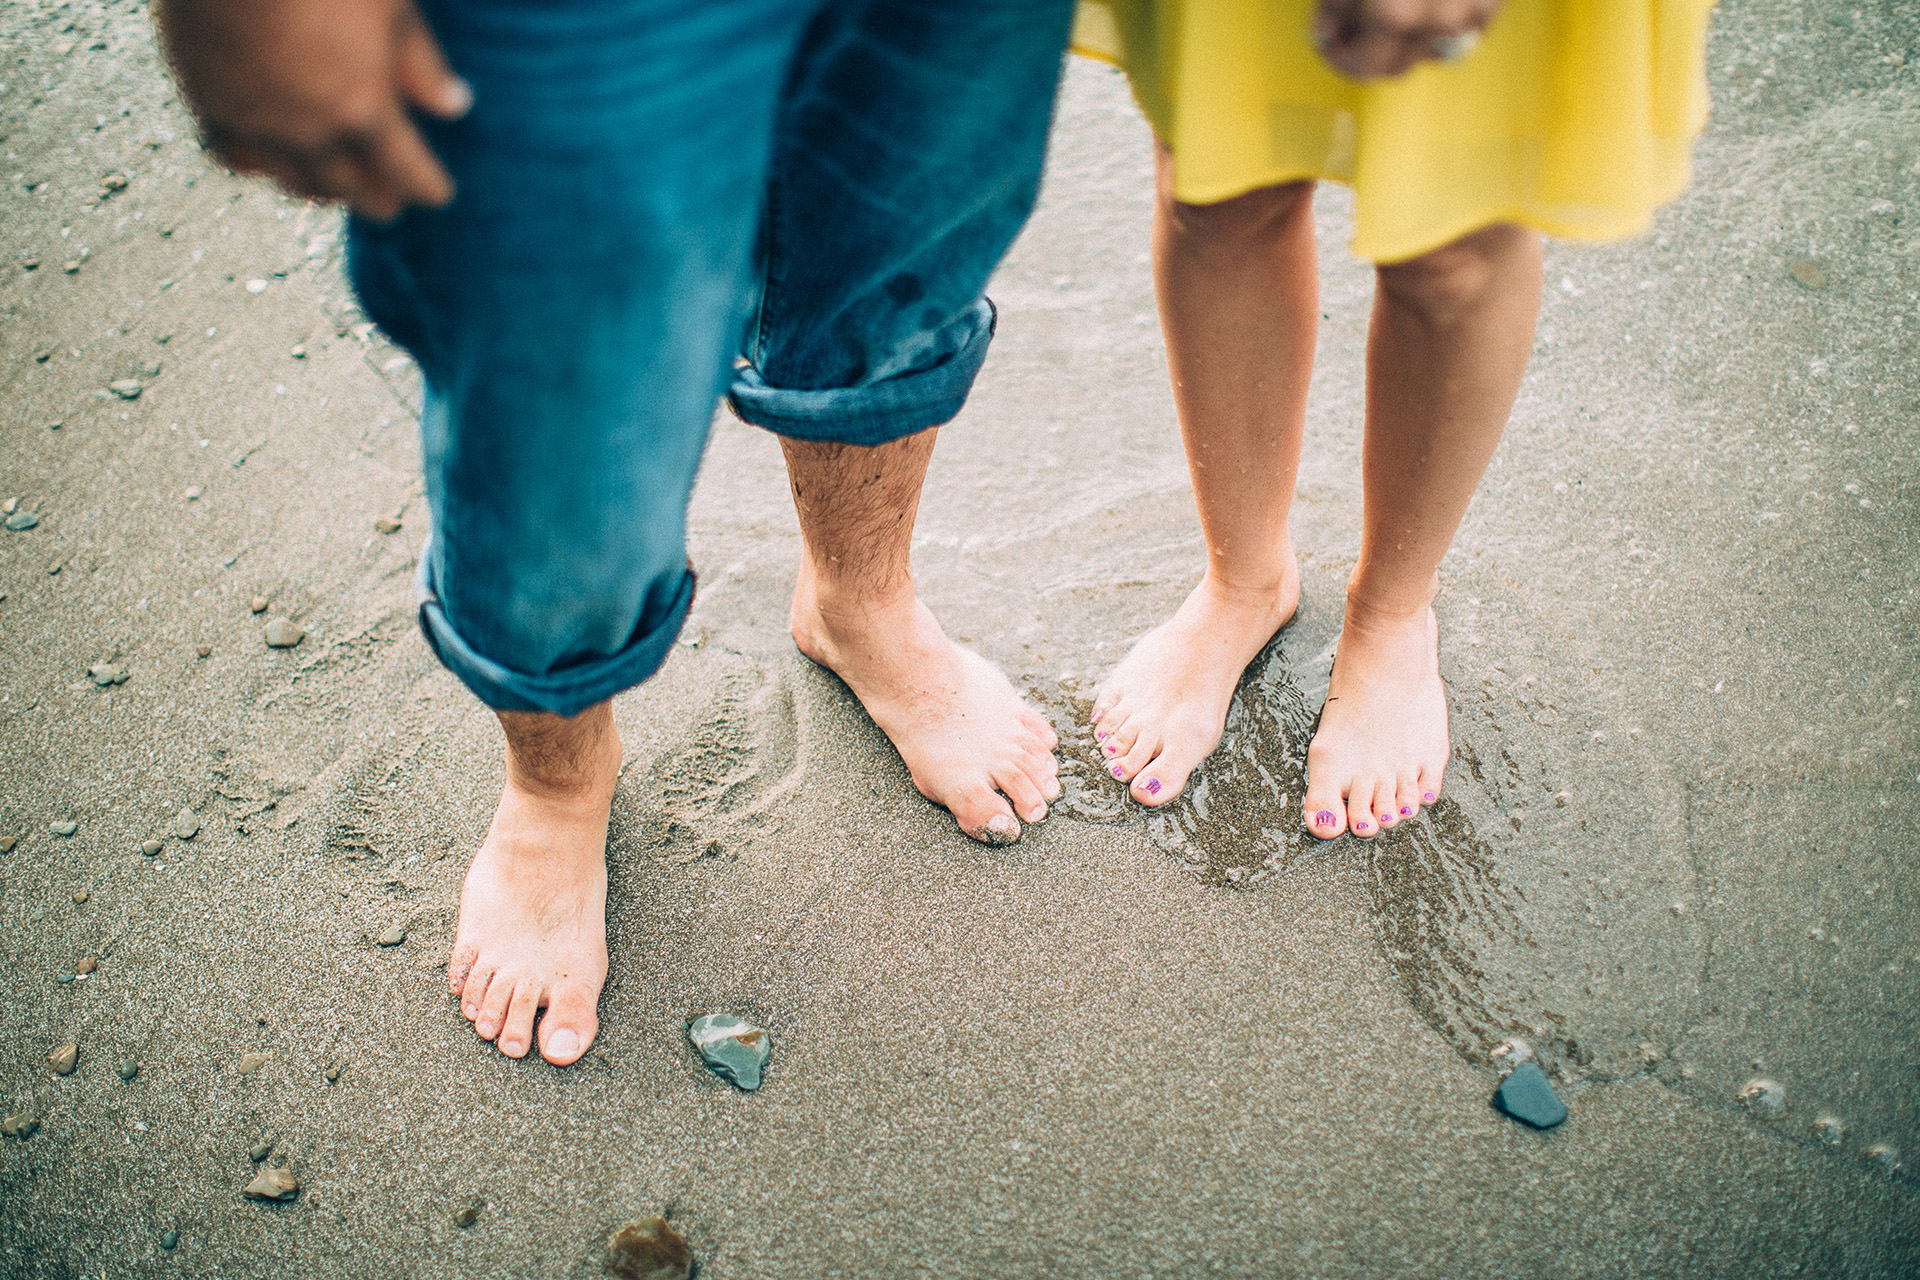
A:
{"points": [[1459, 277], [1256, 217]]}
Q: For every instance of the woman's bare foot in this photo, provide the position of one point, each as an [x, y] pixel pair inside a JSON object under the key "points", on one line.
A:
{"points": [[533, 912], [1162, 710], [1382, 747], [966, 735]]}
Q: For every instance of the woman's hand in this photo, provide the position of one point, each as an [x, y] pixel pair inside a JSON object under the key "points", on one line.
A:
{"points": [[1370, 39], [315, 94]]}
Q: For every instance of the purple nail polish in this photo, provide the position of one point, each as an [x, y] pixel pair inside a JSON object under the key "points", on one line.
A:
{"points": [[1095, 718], [1111, 750], [1153, 786], [1099, 735], [1428, 798], [1118, 772], [1324, 818]]}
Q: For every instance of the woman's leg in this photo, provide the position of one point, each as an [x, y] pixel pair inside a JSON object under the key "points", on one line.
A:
{"points": [[1450, 337], [1239, 291]]}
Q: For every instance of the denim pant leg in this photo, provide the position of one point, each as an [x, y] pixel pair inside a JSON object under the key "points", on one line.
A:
{"points": [[908, 157], [575, 311]]}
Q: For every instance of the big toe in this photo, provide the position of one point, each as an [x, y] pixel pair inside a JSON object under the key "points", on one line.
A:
{"points": [[571, 1022], [1163, 777], [1325, 812], [983, 815]]}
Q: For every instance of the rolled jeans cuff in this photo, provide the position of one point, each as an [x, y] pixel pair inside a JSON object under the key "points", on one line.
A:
{"points": [[871, 413], [566, 692]]}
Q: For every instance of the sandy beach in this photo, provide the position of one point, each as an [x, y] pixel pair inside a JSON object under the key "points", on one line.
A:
{"points": [[1677, 855]]}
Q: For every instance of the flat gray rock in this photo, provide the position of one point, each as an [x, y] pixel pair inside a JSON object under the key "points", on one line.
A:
{"points": [[284, 633], [186, 824], [65, 828], [737, 1051], [21, 521]]}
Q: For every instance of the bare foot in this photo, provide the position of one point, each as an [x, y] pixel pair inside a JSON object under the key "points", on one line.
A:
{"points": [[966, 735], [1382, 747], [533, 912], [1162, 710]]}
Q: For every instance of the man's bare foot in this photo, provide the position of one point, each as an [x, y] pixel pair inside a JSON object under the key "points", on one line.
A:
{"points": [[1382, 747], [533, 912], [966, 735], [1162, 710]]}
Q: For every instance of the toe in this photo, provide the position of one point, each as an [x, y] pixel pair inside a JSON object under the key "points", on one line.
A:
{"points": [[571, 1022], [1162, 778], [1386, 811], [459, 966], [1038, 725], [1325, 814], [473, 992], [1406, 797], [493, 1008], [1136, 757], [1429, 782], [1360, 819], [1026, 798], [516, 1036], [986, 817]]}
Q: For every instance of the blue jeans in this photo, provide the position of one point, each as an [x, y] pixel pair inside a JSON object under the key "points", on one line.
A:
{"points": [[649, 189]]}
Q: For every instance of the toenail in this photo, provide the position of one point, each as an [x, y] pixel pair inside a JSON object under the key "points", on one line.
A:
{"points": [[1324, 818], [485, 1029], [1406, 810], [1001, 829], [1097, 715], [1360, 825], [1111, 748], [511, 1047], [563, 1044], [1428, 798], [1099, 735], [1151, 786]]}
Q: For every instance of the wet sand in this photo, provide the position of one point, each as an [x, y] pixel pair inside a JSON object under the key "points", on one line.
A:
{"points": [[1677, 851]]}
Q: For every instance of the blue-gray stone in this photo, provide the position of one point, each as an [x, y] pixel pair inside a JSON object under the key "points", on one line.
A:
{"points": [[737, 1051], [21, 521], [1527, 1097]]}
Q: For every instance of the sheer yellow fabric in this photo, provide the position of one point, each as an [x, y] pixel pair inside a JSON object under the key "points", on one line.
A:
{"points": [[1573, 116]]}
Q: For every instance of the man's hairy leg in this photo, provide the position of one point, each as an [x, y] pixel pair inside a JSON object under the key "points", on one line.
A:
{"points": [[533, 911], [969, 740]]}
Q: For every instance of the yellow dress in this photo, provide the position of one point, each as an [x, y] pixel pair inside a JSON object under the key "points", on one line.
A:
{"points": [[1572, 116]]}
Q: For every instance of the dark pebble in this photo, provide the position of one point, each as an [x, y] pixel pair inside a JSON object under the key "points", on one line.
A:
{"points": [[466, 1217], [169, 1239], [649, 1249], [129, 1069], [204, 650], [260, 1151], [21, 521], [1527, 1097]]}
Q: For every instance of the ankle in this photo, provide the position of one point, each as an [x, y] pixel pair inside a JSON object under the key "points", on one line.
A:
{"points": [[839, 600], [1390, 604]]}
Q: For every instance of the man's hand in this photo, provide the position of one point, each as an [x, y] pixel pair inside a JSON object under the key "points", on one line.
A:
{"points": [[315, 94], [1369, 39]]}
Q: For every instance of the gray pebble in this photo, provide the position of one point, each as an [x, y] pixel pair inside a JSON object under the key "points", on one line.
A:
{"points": [[251, 1062], [20, 1125], [151, 848], [66, 828], [21, 521], [7, 843], [64, 1059], [1527, 1097], [64, 979], [107, 673], [736, 1051], [260, 1151], [129, 1069], [126, 388], [332, 1072], [466, 1216], [186, 824], [1808, 272], [392, 936], [386, 524], [282, 633], [169, 1239]]}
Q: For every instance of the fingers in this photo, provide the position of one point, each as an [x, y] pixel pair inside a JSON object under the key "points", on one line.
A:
{"points": [[379, 175], [421, 73], [1371, 39]]}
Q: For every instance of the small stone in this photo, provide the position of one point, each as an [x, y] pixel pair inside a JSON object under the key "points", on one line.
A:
{"points": [[81, 895], [1885, 1157], [126, 388], [86, 964], [64, 1059], [251, 1062], [392, 936], [114, 182], [283, 633], [1764, 1098], [64, 979], [1808, 272], [735, 1050], [186, 824], [19, 1125], [256, 285], [1830, 1130], [272, 1184], [151, 848], [260, 1151], [204, 650], [21, 521], [193, 492], [332, 1073], [29, 264], [7, 843], [1527, 1097], [106, 673], [298, 353], [386, 524], [258, 604], [129, 1069], [649, 1249], [466, 1216], [66, 828], [169, 1239], [71, 266]]}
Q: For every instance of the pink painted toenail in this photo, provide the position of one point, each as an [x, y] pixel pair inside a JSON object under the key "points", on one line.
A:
{"points": [[1324, 818], [1111, 750], [1096, 716], [1360, 826], [1099, 735], [1428, 798], [1118, 772], [1406, 810], [1152, 786]]}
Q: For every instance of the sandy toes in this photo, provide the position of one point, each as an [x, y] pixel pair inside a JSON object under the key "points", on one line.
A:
{"points": [[967, 737], [533, 922], [1162, 710], [1382, 748]]}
